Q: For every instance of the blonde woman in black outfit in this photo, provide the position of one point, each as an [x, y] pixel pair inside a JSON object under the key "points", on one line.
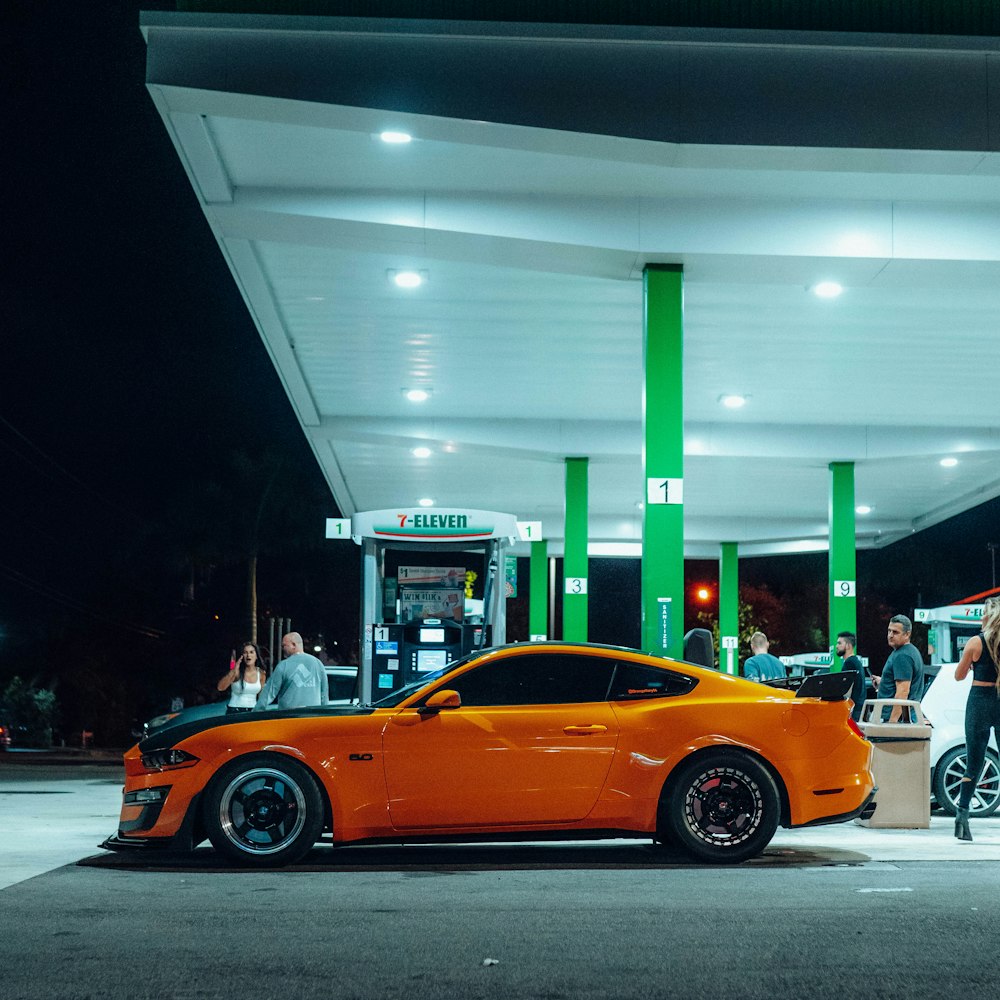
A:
{"points": [[982, 712]]}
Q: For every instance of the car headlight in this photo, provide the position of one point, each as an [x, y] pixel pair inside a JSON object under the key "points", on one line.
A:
{"points": [[160, 759], [161, 720]]}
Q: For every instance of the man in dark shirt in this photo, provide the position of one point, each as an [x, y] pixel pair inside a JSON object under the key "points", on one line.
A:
{"points": [[846, 643], [903, 673]]}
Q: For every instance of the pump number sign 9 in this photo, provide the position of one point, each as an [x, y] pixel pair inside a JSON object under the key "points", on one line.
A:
{"points": [[844, 588]]}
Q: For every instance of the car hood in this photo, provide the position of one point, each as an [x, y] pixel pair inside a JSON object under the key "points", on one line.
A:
{"points": [[170, 736]]}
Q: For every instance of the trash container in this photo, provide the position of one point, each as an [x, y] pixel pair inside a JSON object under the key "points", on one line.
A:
{"points": [[901, 764]]}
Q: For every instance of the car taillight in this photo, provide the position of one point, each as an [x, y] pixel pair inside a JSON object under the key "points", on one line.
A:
{"points": [[855, 728]]}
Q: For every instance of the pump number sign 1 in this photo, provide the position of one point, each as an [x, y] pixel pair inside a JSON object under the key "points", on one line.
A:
{"points": [[660, 490], [338, 527]]}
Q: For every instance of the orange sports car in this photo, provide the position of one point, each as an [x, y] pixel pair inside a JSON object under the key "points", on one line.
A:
{"points": [[522, 741]]}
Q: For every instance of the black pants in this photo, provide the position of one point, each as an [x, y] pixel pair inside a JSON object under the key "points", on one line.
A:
{"points": [[982, 713]]}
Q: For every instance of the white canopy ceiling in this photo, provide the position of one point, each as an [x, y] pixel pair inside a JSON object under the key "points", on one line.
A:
{"points": [[547, 167]]}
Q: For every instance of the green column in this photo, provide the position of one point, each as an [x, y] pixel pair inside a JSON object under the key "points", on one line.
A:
{"points": [[575, 554], [538, 591], [843, 554], [663, 460], [729, 608]]}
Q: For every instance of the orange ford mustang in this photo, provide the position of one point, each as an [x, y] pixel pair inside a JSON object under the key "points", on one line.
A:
{"points": [[527, 741]]}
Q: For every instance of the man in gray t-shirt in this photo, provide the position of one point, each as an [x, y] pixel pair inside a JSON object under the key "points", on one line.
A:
{"points": [[298, 681], [903, 673], [762, 666]]}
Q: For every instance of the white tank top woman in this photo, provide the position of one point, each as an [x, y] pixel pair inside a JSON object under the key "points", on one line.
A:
{"points": [[244, 680]]}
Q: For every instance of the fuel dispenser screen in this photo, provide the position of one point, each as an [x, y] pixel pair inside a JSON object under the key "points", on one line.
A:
{"points": [[431, 659]]}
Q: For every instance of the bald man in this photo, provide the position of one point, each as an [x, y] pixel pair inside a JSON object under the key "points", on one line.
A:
{"points": [[299, 680]]}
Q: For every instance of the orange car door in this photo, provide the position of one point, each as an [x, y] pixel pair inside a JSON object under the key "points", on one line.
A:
{"points": [[508, 765], [532, 742]]}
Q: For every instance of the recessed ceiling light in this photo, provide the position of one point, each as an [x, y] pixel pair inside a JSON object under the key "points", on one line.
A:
{"points": [[733, 401], [408, 279], [425, 502], [395, 138], [862, 508], [949, 463], [827, 289], [421, 452], [417, 395]]}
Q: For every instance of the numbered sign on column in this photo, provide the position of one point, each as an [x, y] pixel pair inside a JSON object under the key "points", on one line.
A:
{"points": [[576, 585], [338, 527], [529, 531], [844, 588], [659, 490]]}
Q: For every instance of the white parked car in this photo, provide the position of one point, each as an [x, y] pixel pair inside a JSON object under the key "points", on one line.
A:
{"points": [[944, 705]]}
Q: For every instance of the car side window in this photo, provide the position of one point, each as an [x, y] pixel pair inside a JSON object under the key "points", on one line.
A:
{"points": [[340, 688], [536, 679], [636, 681]]}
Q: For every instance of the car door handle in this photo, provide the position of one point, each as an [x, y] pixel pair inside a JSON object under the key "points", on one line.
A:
{"points": [[584, 730]]}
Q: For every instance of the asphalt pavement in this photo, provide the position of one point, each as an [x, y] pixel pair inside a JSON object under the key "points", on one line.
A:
{"points": [[826, 912]]}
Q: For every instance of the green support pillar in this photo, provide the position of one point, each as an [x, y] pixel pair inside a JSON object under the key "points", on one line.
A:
{"points": [[575, 554], [538, 592], [843, 554], [663, 460], [729, 608]]}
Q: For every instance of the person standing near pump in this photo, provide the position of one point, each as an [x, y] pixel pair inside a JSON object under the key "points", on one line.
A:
{"points": [[298, 681], [982, 712], [762, 666], [244, 681], [903, 674], [846, 644]]}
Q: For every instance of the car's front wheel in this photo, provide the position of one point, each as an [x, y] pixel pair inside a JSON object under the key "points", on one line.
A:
{"points": [[948, 783], [721, 807], [263, 810]]}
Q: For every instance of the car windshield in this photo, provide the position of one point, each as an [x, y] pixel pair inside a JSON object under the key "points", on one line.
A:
{"points": [[392, 700]]}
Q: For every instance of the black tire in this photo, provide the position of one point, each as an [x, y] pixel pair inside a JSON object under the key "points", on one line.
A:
{"points": [[948, 780], [263, 810], [722, 807]]}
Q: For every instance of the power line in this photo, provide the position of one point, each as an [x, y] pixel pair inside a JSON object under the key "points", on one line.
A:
{"points": [[63, 472], [19, 578]]}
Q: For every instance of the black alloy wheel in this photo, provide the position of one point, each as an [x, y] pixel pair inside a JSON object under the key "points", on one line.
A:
{"points": [[263, 810], [722, 807]]}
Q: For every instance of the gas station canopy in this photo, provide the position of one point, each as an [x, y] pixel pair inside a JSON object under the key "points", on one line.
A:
{"points": [[547, 165]]}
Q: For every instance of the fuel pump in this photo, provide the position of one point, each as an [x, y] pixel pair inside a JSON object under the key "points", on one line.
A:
{"points": [[949, 628], [420, 572]]}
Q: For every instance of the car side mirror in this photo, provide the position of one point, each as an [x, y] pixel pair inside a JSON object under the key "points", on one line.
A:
{"points": [[445, 698]]}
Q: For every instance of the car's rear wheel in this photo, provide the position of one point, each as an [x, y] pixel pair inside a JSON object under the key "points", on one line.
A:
{"points": [[948, 783], [263, 810], [721, 807]]}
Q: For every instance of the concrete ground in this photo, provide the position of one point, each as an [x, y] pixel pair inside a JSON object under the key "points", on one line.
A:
{"points": [[56, 813]]}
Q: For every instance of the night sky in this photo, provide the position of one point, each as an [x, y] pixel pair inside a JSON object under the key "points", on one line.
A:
{"points": [[139, 411]]}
